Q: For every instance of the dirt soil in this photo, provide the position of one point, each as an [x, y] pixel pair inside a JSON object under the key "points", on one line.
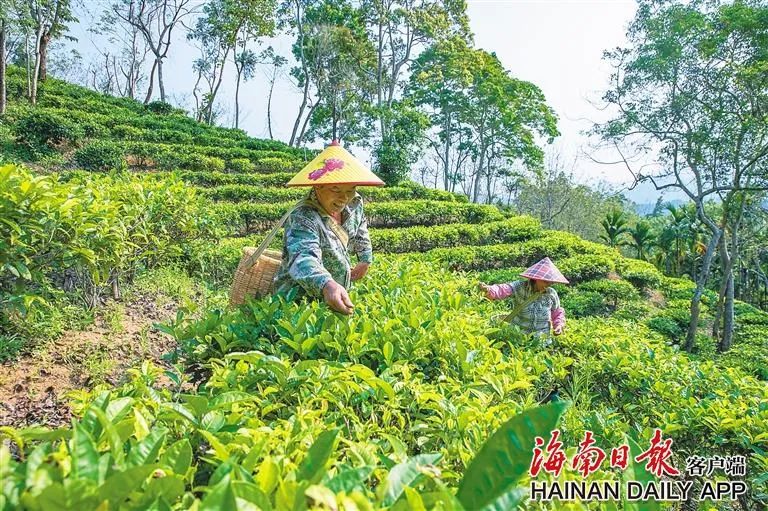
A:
{"points": [[33, 388]]}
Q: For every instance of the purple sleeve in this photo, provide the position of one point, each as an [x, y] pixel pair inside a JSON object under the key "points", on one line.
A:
{"points": [[558, 317], [499, 291]]}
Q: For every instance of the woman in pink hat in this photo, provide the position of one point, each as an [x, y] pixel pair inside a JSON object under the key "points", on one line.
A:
{"points": [[536, 305]]}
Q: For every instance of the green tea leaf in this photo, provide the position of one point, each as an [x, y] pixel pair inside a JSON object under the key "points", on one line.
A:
{"points": [[505, 457], [351, 479], [219, 497], [178, 457], [120, 485], [405, 475], [85, 457], [313, 465], [147, 450]]}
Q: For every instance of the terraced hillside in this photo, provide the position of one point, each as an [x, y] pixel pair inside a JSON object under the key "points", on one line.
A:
{"points": [[289, 406]]}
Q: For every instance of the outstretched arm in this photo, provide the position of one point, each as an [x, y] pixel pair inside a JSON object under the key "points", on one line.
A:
{"points": [[497, 291], [557, 315]]}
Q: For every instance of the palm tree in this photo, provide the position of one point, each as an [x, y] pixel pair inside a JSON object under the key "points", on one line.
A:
{"points": [[615, 226], [642, 238]]}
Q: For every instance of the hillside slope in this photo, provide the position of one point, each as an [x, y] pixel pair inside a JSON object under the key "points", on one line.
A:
{"points": [[411, 386]]}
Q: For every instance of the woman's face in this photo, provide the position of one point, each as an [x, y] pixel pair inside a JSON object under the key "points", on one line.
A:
{"points": [[333, 198], [540, 285]]}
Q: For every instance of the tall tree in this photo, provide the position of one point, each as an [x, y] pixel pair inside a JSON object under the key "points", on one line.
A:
{"points": [[275, 62], [5, 19], [692, 83], [125, 67], [467, 91], [225, 27], [252, 19], [439, 83], [400, 30], [156, 21], [339, 63], [46, 19]]}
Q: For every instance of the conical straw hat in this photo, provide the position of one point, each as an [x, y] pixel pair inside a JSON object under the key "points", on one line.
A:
{"points": [[545, 270], [334, 165]]}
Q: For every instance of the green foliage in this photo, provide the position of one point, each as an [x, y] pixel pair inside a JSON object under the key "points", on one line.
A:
{"points": [[273, 164], [160, 107], [78, 234], [395, 154], [243, 218], [615, 227], [240, 165], [553, 244], [40, 129], [614, 291], [422, 239], [586, 267], [100, 156], [641, 274], [580, 304]]}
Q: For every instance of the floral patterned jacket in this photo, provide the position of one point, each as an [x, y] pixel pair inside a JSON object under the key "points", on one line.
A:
{"points": [[315, 249]]}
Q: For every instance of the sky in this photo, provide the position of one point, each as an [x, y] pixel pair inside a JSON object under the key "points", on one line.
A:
{"points": [[555, 44]]}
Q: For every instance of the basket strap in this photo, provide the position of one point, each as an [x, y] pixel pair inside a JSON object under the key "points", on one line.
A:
{"points": [[265, 244]]}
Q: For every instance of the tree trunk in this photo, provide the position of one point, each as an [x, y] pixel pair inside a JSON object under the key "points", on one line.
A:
{"points": [[36, 69], [301, 111], [728, 320], [150, 88], [3, 88], [29, 64], [237, 100], [44, 40], [379, 65], [300, 139], [160, 80], [269, 103], [479, 176], [447, 155], [701, 281]]}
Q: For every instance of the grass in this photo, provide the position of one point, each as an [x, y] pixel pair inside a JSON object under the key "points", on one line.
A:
{"points": [[114, 314]]}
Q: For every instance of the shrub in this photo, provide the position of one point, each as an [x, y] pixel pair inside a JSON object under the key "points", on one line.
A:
{"points": [[160, 107], [100, 156], [614, 291], [272, 164], [240, 165], [632, 310], [201, 163], [125, 132], [40, 129], [585, 267], [666, 326], [641, 274], [580, 304]]}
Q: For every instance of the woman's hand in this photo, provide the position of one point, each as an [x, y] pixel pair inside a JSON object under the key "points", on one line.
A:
{"points": [[485, 288], [559, 330], [337, 298], [359, 271]]}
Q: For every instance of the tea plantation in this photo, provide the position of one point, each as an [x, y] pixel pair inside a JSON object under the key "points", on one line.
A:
{"points": [[282, 405]]}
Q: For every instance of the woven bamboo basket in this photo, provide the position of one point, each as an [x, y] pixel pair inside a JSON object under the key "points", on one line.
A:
{"points": [[257, 268], [254, 279]]}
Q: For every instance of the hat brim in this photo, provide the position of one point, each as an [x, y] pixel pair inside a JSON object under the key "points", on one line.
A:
{"points": [[335, 166]]}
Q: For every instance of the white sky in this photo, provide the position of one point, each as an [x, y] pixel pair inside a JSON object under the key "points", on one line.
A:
{"points": [[556, 44]]}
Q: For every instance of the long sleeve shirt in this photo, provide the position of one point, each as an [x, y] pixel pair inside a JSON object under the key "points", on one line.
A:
{"points": [[316, 249], [535, 313]]}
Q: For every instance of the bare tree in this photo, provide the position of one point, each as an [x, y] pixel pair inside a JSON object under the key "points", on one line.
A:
{"points": [[155, 20], [126, 68]]}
